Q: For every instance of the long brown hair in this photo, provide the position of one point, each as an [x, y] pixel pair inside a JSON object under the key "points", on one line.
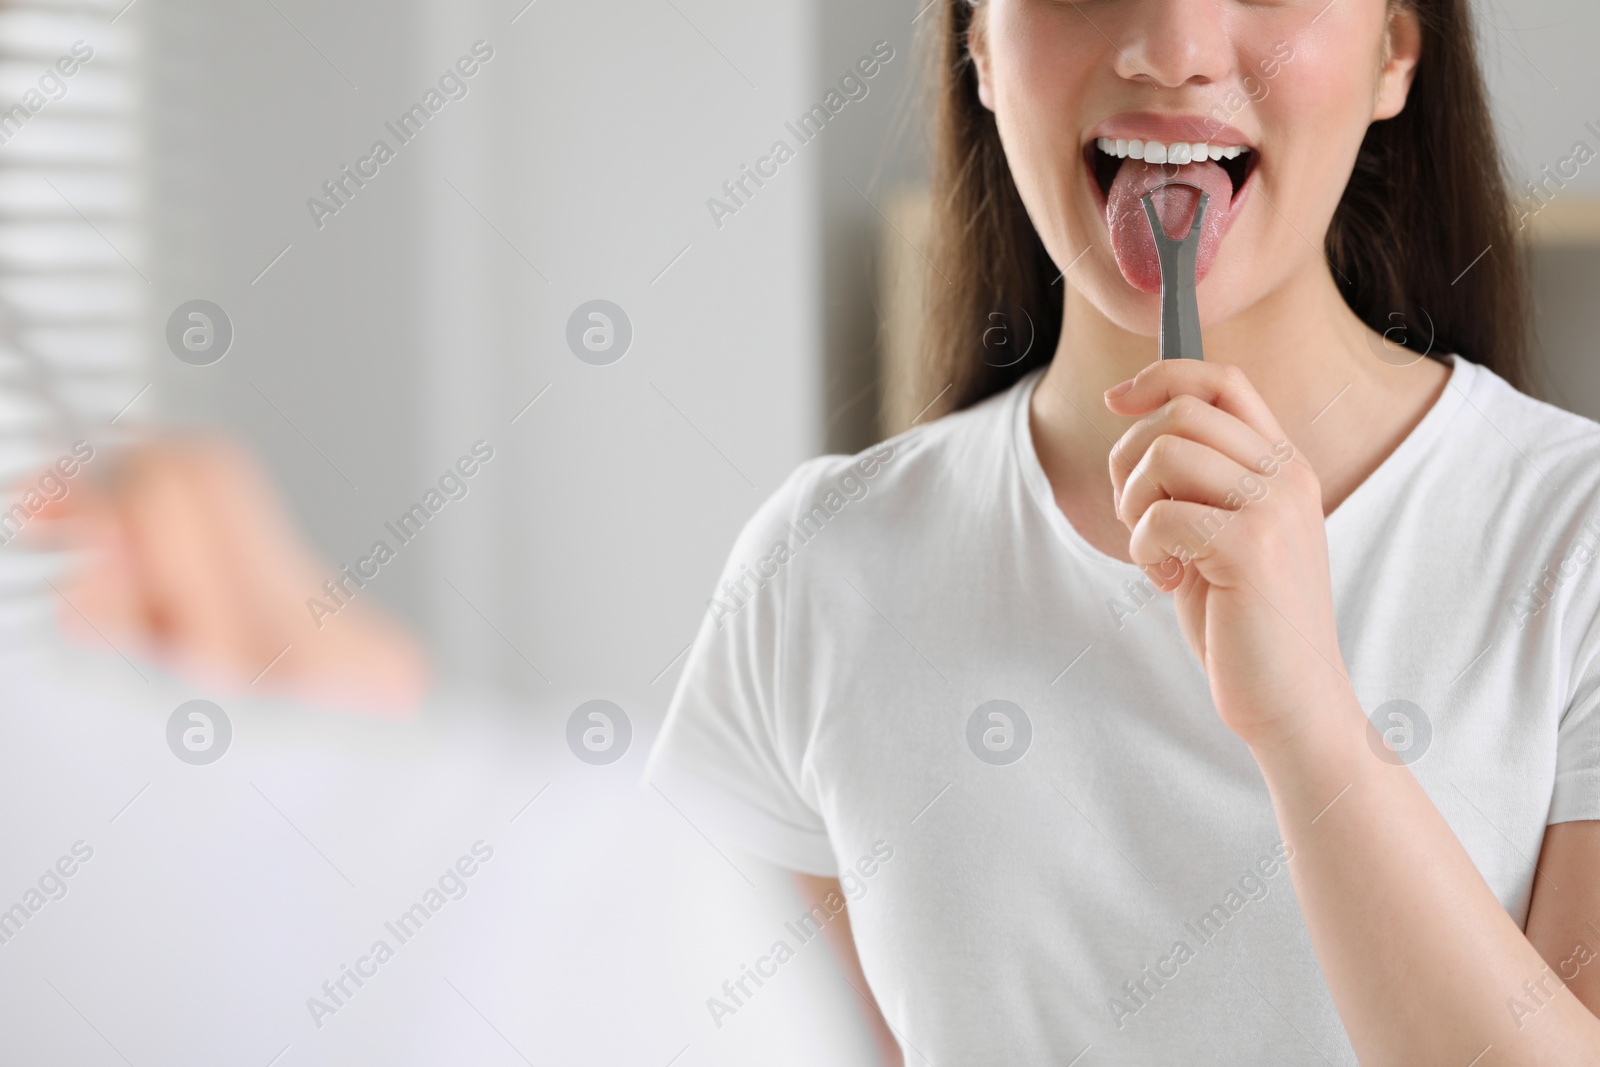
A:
{"points": [[1427, 198]]}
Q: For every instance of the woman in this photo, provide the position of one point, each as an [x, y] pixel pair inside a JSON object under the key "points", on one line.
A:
{"points": [[1206, 712]]}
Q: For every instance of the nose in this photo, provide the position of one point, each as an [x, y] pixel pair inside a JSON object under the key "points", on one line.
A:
{"points": [[1171, 43]]}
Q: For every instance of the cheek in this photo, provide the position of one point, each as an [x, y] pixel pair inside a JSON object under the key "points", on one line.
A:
{"points": [[1326, 86], [1315, 116], [1043, 71], [1040, 59]]}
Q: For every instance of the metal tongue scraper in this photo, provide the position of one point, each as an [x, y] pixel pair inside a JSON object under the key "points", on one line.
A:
{"points": [[1180, 314]]}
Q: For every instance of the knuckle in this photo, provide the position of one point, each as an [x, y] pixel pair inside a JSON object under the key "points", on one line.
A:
{"points": [[1164, 449], [1303, 478], [1160, 512], [1117, 461], [1181, 410]]}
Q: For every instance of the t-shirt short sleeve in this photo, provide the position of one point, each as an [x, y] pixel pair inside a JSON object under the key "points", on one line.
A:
{"points": [[1577, 785], [728, 756]]}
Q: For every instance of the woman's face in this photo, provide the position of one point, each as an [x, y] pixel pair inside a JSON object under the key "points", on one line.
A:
{"points": [[1281, 91]]}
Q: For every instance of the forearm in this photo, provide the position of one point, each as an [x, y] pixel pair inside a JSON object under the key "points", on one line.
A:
{"points": [[1420, 957]]}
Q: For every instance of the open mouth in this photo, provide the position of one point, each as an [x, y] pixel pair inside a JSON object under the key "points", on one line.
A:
{"points": [[1107, 155], [1174, 174]]}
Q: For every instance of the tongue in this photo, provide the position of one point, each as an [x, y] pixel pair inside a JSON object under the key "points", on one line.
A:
{"points": [[1131, 240]]}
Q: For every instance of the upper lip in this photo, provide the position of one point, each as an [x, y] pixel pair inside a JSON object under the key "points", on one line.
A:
{"points": [[1167, 129]]}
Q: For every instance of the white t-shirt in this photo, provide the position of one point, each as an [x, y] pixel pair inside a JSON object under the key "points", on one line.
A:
{"points": [[1095, 862]]}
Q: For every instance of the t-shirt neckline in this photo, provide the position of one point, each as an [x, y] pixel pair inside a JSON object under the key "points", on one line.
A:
{"points": [[1404, 457]]}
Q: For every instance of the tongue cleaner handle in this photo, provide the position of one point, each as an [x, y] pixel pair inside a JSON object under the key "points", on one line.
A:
{"points": [[1180, 314]]}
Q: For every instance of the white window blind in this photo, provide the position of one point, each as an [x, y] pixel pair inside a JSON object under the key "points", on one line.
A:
{"points": [[73, 274]]}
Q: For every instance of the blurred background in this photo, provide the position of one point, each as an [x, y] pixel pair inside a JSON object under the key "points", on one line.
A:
{"points": [[370, 322]]}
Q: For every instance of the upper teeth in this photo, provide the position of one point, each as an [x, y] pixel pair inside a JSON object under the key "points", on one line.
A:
{"points": [[1156, 152]]}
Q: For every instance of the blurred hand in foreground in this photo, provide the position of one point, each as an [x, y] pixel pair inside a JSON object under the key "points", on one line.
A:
{"points": [[188, 559]]}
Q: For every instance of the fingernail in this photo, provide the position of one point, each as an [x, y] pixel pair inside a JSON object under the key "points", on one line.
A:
{"points": [[1118, 389]]}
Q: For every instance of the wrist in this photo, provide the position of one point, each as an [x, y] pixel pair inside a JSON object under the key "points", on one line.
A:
{"points": [[1323, 745]]}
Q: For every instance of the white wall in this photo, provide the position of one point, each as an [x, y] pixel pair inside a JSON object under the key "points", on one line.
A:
{"points": [[594, 152], [411, 325], [1538, 56]]}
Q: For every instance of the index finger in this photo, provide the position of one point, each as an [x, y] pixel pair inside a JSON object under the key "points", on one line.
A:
{"points": [[1222, 385]]}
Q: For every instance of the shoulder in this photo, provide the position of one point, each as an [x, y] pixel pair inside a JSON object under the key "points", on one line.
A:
{"points": [[917, 475], [1552, 452], [1519, 493]]}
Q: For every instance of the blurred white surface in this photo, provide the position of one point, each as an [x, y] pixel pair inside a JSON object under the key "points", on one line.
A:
{"points": [[219, 898]]}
